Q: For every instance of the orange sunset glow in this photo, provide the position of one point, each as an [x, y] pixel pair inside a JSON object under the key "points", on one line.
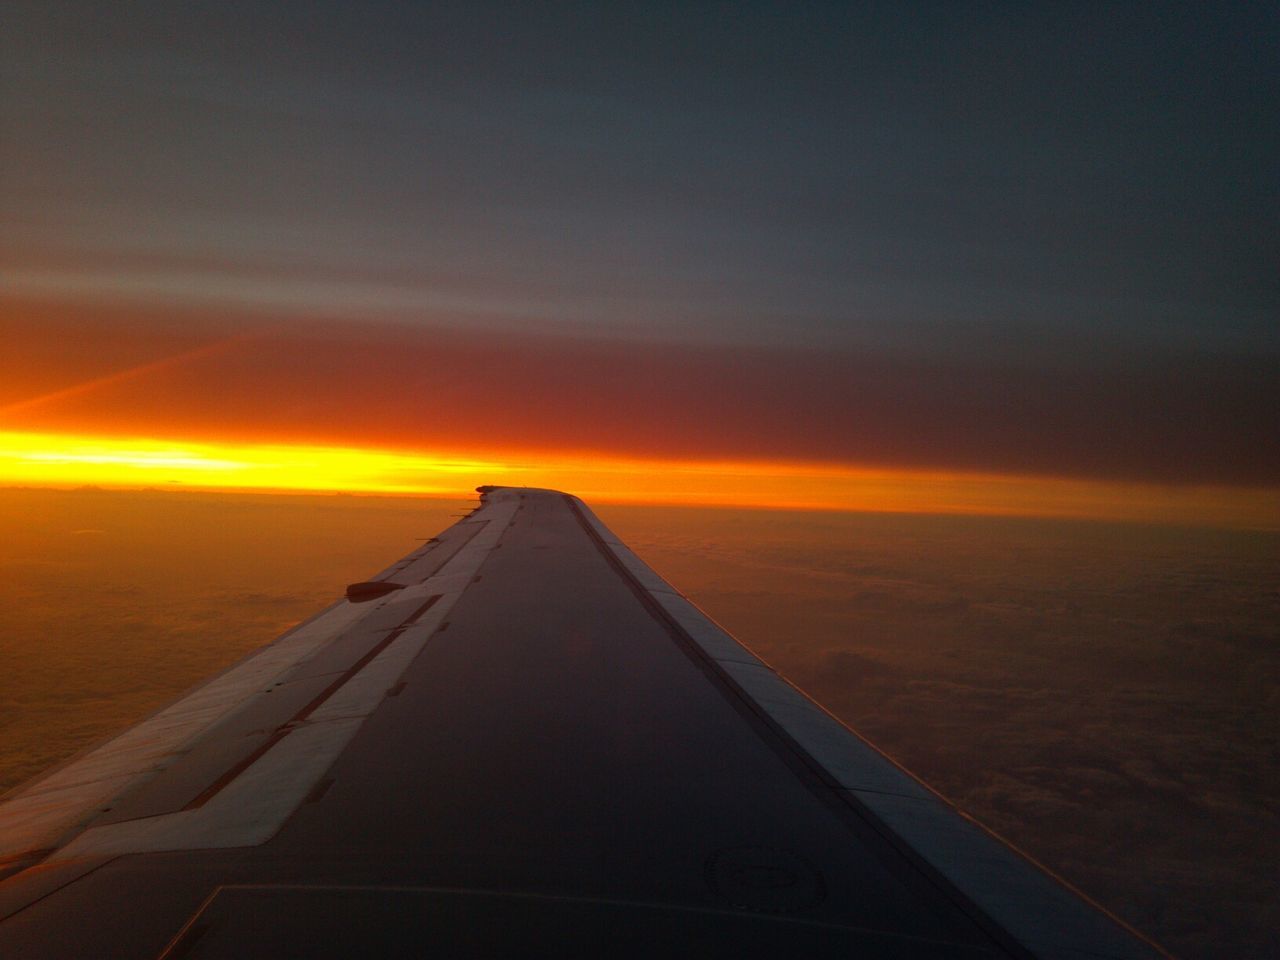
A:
{"points": [[129, 394], [55, 460]]}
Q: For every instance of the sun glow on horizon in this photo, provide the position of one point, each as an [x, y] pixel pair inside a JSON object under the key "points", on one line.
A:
{"points": [[60, 460], [56, 460]]}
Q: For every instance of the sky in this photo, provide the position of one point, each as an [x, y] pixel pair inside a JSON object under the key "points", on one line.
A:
{"points": [[950, 247]]}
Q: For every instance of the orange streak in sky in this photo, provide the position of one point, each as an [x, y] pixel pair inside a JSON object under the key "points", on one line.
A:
{"points": [[121, 376]]}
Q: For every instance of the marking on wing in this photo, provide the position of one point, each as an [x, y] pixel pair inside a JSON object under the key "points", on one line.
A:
{"points": [[283, 731]]}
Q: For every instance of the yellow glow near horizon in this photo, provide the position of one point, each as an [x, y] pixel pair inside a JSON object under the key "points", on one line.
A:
{"points": [[53, 460], [58, 460]]}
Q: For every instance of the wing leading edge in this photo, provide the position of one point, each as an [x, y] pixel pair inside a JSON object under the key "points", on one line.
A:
{"points": [[527, 742]]}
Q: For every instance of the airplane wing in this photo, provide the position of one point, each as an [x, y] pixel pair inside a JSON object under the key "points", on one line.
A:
{"points": [[517, 741]]}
